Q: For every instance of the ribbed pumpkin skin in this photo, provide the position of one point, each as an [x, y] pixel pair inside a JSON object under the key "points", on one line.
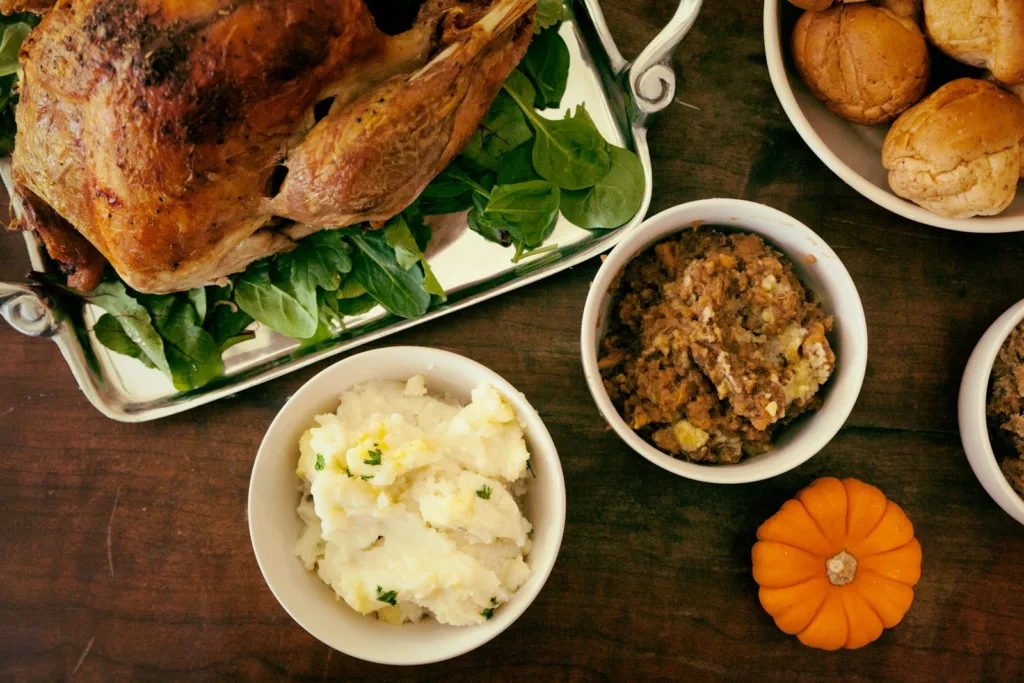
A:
{"points": [[794, 548]]}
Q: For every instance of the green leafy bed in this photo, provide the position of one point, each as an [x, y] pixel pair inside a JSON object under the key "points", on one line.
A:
{"points": [[15, 28], [519, 172]]}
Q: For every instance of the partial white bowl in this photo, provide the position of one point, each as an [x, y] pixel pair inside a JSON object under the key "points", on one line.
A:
{"points": [[854, 152], [274, 526], [826, 276], [974, 425]]}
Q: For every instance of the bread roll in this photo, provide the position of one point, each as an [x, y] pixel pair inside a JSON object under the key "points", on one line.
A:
{"points": [[905, 8], [983, 33], [865, 63], [960, 151], [818, 5], [1018, 90]]}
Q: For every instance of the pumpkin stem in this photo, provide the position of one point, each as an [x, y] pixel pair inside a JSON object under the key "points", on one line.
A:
{"points": [[841, 568]]}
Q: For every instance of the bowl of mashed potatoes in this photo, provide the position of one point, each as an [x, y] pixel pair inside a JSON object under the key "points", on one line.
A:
{"points": [[724, 341], [406, 505]]}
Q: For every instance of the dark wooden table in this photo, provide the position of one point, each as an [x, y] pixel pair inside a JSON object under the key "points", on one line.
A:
{"points": [[126, 555]]}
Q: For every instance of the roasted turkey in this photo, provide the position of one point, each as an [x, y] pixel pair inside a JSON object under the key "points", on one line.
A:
{"points": [[180, 140]]}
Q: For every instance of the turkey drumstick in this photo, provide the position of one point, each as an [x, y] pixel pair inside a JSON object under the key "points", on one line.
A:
{"points": [[369, 160]]}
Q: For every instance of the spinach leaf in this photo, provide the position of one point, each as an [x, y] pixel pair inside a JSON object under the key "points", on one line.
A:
{"points": [[133, 317], [10, 45], [193, 355], [356, 305], [547, 65], [549, 13], [292, 313], [245, 336], [197, 297], [573, 155], [502, 129], [446, 194], [442, 206], [400, 237], [15, 28], [520, 89], [226, 322], [614, 200], [110, 333], [569, 152], [491, 229], [8, 126], [526, 210], [480, 185], [376, 268], [446, 185], [318, 261], [350, 289], [522, 250], [421, 232], [517, 166], [329, 322]]}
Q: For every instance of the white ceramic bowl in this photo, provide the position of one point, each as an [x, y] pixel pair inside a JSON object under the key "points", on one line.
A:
{"points": [[274, 525], [973, 423], [854, 152], [827, 277]]}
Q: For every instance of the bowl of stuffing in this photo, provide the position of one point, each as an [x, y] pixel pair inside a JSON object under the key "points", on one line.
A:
{"points": [[724, 341], [991, 411], [406, 505]]}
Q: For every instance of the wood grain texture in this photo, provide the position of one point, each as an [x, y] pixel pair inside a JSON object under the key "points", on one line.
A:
{"points": [[126, 555]]}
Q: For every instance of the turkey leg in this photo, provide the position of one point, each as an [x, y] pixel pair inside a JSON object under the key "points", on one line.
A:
{"points": [[369, 160]]}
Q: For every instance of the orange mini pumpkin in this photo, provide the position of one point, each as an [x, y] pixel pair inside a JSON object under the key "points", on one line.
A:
{"points": [[837, 564]]}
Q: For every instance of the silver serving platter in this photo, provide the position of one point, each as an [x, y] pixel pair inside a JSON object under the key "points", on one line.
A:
{"points": [[619, 95]]}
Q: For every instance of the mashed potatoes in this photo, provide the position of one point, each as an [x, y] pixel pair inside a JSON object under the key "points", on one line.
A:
{"points": [[410, 502]]}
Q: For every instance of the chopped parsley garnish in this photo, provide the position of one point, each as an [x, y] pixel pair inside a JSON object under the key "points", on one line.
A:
{"points": [[494, 601], [530, 467], [319, 466], [348, 472], [485, 492], [366, 477], [390, 597], [487, 613], [374, 454]]}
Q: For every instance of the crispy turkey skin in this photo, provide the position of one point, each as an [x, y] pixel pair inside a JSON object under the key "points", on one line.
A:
{"points": [[14, 6], [154, 127]]}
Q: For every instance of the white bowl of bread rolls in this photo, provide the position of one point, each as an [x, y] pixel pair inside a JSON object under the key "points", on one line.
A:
{"points": [[916, 104]]}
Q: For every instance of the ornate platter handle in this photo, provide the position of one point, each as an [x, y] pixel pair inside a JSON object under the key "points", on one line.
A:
{"points": [[650, 78], [26, 310], [24, 307]]}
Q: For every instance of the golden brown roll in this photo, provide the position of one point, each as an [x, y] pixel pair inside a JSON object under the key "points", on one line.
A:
{"points": [[866, 63], [983, 33], [958, 153], [905, 8], [818, 5]]}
